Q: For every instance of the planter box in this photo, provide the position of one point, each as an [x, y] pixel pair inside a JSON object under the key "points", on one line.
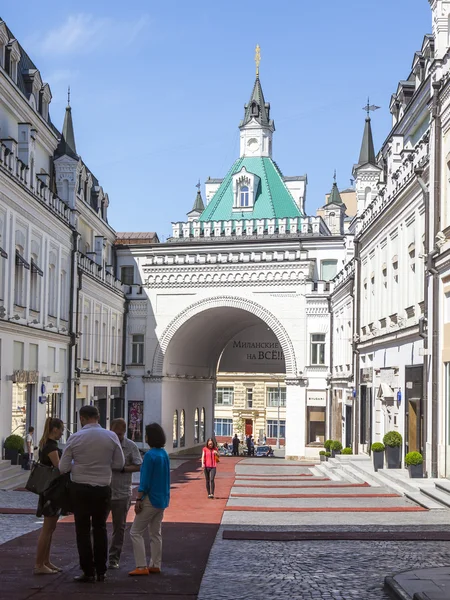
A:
{"points": [[322, 458], [393, 457], [335, 453], [378, 460], [416, 471], [12, 455]]}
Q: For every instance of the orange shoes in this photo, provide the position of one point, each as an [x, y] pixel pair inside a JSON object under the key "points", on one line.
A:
{"points": [[139, 571], [154, 570]]}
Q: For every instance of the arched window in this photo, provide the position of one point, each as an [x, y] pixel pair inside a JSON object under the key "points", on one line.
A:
{"points": [[182, 430], [367, 196], [196, 427], [202, 426], [52, 289], [175, 429], [244, 196]]}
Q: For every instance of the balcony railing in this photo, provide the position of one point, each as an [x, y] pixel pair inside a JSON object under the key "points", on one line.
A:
{"points": [[98, 272]]}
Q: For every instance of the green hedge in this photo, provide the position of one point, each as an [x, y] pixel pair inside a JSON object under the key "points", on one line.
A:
{"points": [[322, 453], [347, 451], [14, 442], [327, 444], [392, 439], [377, 447], [413, 458], [336, 446]]}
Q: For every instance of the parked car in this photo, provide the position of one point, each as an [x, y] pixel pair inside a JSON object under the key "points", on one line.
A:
{"points": [[264, 451]]}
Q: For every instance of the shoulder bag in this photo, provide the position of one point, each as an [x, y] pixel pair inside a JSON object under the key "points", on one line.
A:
{"points": [[41, 478]]}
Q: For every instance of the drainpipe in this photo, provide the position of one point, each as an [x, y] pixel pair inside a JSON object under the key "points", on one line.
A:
{"points": [[330, 389], [435, 358], [73, 331], [423, 331], [357, 328], [352, 374]]}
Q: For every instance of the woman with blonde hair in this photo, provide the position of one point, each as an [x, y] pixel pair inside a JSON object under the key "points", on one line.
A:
{"points": [[49, 455]]}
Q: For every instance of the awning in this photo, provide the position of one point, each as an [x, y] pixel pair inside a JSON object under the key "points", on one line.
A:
{"points": [[385, 391], [20, 261], [36, 269]]}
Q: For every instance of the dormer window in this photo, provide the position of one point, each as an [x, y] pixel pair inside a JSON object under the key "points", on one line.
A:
{"points": [[244, 196], [12, 57], [245, 189], [254, 110]]}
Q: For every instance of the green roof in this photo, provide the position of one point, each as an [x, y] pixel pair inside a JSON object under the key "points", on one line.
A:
{"points": [[334, 197], [257, 108], [273, 199]]}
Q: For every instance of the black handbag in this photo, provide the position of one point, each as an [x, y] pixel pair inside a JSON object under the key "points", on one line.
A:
{"points": [[41, 478]]}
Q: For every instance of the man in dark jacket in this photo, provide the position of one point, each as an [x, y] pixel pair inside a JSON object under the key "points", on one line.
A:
{"points": [[235, 445]]}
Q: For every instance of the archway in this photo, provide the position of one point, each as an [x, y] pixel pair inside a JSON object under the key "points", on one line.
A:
{"points": [[186, 361]]}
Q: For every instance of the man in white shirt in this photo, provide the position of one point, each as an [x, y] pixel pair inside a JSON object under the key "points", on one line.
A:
{"points": [[90, 455]]}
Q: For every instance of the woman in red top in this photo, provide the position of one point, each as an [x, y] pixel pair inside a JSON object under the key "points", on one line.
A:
{"points": [[209, 462]]}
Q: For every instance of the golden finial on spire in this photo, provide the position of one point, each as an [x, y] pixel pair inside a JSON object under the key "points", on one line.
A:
{"points": [[257, 58]]}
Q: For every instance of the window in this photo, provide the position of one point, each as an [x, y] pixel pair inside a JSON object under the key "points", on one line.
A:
{"points": [[33, 362], [18, 356], [223, 427], [249, 397], [19, 277], [273, 393], [196, 426], [175, 429], [225, 396], [244, 197], [328, 270], [86, 338], [127, 275], [137, 349], [318, 349], [182, 429], [202, 426], [35, 284], [97, 342], [104, 344], [52, 290], [272, 428], [64, 305], [315, 426]]}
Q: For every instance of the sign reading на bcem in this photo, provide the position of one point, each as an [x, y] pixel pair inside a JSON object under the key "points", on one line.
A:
{"points": [[254, 350]]}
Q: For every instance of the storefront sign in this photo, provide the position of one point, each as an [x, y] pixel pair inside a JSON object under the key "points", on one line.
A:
{"points": [[366, 375], [25, 377], [56, 388], [317, 398]]}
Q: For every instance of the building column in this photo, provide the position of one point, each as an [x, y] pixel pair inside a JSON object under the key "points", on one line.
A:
{"points": [[295, 417]]}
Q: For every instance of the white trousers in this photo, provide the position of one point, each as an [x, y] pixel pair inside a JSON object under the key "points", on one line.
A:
{"points": [[151, 518]]}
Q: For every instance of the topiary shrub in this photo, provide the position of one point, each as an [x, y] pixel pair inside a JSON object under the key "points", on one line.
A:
{"points": [[377, 447], [14, 442], [413, 458], [328, 454], [327, 444], [392, 439], [322, 453], [336, 446], [347, 451]]}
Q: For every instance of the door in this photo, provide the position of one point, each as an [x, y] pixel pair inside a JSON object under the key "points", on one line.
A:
{"points": [[348, 426], [413, 408], [248, 427], [101, 401]]}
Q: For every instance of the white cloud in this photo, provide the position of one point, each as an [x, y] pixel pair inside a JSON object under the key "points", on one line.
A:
{"points": [[82, 33]]}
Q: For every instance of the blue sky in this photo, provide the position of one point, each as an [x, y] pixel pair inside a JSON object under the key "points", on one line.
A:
{"points": [[158, 88]]}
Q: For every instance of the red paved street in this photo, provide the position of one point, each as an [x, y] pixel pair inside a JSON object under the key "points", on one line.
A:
{"points": [[189, 529]]}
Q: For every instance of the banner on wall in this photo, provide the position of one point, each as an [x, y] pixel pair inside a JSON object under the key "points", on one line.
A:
{"points": [[136, 421]]}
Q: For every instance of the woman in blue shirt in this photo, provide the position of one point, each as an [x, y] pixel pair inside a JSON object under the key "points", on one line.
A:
{"points": [[152, 498]]}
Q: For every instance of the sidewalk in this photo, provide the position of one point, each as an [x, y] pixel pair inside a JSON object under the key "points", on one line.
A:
{"points": [[189, 529], [421, 584]]}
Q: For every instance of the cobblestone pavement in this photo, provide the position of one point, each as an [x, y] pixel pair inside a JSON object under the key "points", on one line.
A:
{"points": [[308, 570], [13, 526]]}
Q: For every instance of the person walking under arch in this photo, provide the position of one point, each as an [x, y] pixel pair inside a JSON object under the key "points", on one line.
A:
{"points": [[152, 499], [49, 455], [210, 457]]}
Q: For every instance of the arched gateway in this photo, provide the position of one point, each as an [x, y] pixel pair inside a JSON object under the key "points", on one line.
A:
{"points": [[249, 269]]}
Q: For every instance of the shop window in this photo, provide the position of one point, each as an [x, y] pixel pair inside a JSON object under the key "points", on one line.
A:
{"points": [[202, 426], [315, 424], [272, 428], [223, 427], [196, 426], [175, 429], [182, 429]]}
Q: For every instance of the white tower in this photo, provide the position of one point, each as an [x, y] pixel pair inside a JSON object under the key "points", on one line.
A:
{"points": [[441, 26]]}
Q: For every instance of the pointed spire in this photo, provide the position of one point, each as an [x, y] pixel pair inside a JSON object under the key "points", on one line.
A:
{"points": [[257, 108], [198, 204], [67, 142], [335, 196], [367, 153]]}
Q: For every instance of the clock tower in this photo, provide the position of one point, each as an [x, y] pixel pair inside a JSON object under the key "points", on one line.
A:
{"points": [[257, 127]]}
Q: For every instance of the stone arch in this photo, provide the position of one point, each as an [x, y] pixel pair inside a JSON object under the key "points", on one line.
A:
{"points": [[233, 302]]}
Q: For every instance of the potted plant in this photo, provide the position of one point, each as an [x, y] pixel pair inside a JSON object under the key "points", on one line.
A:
{"points": [[378, 456], [347, 451], [13, 447], [327, 455], [414, 462], [393, 442], [322, 454], [336, 448], [327, 445]]}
